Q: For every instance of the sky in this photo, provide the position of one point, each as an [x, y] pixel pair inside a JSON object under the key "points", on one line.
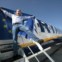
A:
{"points": [[49, 11]]}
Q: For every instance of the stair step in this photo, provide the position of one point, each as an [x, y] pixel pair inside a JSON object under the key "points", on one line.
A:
{"points": [[14, 58], [6, 50]]}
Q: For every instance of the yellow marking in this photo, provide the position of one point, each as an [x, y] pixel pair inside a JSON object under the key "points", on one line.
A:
{"points": [[26, 44], [47, 39], [4, 19], [50, 38]]}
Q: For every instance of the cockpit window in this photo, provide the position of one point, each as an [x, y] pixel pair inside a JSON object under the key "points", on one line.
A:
{"points": [[38, 24], [41, 26], [56, 30], [46, 27], [52, 29]]}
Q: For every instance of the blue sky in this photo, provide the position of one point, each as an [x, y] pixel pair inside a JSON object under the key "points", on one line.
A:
{"points": [[49, 11]]}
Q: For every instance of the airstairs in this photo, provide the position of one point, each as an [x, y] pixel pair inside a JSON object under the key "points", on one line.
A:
{"points": [[26, 59], [6, 52]]}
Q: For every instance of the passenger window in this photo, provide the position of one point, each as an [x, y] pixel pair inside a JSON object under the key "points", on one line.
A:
{"points": [[52, 29], [46, 26], [41, 26]]}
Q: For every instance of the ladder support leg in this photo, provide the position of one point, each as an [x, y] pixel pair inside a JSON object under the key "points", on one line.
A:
{"points": [[41, 49], [33, 53], [23, 55], [48, 57]]}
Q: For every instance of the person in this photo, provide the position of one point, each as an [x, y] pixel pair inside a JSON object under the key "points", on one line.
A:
{"points": [[17, 20]]}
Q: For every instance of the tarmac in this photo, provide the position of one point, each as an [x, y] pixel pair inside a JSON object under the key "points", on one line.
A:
{"points": [[57, 55]]}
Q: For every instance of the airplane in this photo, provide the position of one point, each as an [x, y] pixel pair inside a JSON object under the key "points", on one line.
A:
{"points": [[48, 33]]}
